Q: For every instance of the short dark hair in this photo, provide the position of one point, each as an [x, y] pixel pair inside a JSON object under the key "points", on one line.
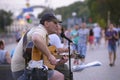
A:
{"points": [[48, 17], [1, 42]]}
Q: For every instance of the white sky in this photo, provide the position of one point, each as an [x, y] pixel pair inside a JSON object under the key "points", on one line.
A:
{"points": [[17, 5]]}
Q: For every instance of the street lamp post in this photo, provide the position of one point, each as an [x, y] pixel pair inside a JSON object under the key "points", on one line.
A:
{"points": [[74, 17], [108, 20]]}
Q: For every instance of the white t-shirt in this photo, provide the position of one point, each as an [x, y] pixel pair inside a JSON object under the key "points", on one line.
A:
{"points": [[83, 34], [97, 32], [18, 62], [55, 40]]}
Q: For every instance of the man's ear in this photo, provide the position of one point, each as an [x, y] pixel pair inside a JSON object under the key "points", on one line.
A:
{"points": [[46, 23]]}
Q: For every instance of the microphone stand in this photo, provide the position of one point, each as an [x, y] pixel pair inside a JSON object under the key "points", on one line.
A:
{"points": [[70, 72], [69, 41]]}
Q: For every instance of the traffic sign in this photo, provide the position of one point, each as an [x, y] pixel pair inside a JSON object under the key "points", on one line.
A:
{"points": [[28, 9]]}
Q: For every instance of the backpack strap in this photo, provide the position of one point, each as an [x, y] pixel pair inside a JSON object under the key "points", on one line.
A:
{"points": [[30, 52], [27, 49]]}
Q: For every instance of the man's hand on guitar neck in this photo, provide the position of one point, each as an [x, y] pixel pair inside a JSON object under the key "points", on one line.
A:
{"points": [[63, 60], [61, 50]]}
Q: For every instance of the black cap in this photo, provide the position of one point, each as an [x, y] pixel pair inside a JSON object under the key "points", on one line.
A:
{"points": [[48, 17]]}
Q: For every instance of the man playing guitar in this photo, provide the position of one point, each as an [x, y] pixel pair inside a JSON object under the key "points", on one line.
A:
{"points": [[39, 36]]}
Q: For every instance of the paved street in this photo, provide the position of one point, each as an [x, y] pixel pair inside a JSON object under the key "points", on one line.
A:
{"points": [[104, 72]]}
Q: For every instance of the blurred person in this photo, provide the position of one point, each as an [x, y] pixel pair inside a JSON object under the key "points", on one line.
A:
{"points": [[68, 35], [105, 30], [13, 50], [17, 37], [91, 38], [75, 38], [111, 36], [119, 35], [4, 54], [83, 34], [56, 41], [39, 36], [97, 34], [116, 28]]}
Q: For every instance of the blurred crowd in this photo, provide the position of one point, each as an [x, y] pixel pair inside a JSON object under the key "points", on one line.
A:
{"points": [[81, 36]]}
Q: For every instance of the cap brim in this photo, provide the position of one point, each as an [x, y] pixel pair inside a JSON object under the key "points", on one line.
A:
{"points": [[56, 20]]}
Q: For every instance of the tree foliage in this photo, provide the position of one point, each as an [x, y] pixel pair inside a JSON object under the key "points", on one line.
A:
{"points": [[5, 19], [80, 8], [99, 10]]}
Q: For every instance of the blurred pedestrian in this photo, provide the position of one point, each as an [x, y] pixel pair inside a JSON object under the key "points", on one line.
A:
{"points": [[4, 54], [18, 35], [13, 50], [68, 35], [83, 34], [56, 41], [91, 38], [97, 34], [75, 38], [105, 30], [112, 36]]}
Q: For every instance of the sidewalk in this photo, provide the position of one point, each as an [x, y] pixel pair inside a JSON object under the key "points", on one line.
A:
{"points": [[104, 72]]}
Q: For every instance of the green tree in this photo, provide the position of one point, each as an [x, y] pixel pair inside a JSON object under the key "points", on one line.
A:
{"points": [[5, 19], [79, 7], [114, 7], [99, 11]]}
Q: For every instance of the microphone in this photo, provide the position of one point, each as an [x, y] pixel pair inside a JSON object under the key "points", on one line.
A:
{"points": [[63, 36]]}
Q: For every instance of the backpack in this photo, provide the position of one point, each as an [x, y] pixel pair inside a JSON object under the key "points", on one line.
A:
{"points": [[34, 74]]}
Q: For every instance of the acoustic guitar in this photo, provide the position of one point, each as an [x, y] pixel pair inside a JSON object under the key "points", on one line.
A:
{"points": [[37, 55], [58, 56]]}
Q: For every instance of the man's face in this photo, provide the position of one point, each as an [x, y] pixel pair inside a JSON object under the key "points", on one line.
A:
{"points": [[76, 27], [83, 25], [52, 27], [59, 29], [111, 26]]}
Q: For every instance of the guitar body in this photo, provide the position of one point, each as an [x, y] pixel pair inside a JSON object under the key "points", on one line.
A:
{"points": [[45, 59], [37, 55]]}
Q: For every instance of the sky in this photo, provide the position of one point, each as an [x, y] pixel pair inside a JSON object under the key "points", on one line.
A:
{"points": [[16, 6]]}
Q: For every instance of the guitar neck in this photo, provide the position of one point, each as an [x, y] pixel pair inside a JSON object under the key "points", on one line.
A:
{"points": [[64, 54]]}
